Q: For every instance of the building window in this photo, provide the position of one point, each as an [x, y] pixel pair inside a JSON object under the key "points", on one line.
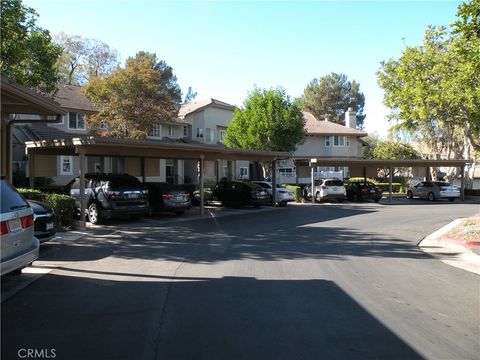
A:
{"points": [[185, 131], [221, 135], [66, 165], [347, 141], [328, 141], [199, 133], [76, 121], [157, 130], [171, 130], [244, 173], [209, 135], [339, 141], [103, 125], [288, 172]]}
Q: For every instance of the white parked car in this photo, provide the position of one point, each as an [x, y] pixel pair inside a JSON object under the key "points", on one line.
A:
{"points": [[282, 195], [19, 247], [433, 190], [327, 189]]}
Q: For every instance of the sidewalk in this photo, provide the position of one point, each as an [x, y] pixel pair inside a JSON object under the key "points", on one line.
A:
{"points": [[454, 252]]}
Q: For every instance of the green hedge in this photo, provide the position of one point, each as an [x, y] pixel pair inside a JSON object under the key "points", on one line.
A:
{"points": [[297, 191], [396, 187], [63, 205], [475, 192]]}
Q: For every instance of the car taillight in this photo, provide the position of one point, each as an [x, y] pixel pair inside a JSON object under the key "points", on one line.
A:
{"points": [[113, 194], [378, 190], [4, 228], [27, 221], [364, 190], [168, 196]]}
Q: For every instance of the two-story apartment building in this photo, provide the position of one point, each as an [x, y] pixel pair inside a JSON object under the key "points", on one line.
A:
{"points": [[208, 120], [323, 139]]}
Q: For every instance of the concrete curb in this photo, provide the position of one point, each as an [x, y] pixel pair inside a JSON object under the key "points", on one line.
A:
{"points": [[453, 254]]}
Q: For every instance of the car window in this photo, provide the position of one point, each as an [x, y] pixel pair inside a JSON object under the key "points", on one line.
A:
{"points": [[441, 183], [334, 183], [10, 199], [419, 185]]}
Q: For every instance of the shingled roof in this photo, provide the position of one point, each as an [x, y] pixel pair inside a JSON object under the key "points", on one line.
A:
{"points": [[186, 109], [73, 97], [323, 127], [42, 132]]}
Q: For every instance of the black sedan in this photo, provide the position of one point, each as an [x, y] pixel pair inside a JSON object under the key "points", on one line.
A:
{"points": [[361, 190], [44, 221], [240, 193]]}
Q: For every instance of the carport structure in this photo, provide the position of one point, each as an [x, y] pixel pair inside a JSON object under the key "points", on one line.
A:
{"points": [[364, 164], [143, 149]]}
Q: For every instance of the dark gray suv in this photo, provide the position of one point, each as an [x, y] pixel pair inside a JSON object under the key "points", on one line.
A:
{"points": [[111, 195]]}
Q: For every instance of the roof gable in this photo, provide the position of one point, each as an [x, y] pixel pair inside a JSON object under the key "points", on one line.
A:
{"points": [[323, 127], [186, 109], [73, 97]]}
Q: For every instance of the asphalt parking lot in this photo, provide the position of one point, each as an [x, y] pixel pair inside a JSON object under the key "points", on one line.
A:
{"points": [[306, 281]]}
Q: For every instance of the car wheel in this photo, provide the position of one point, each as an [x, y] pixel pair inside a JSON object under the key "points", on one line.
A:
{"points": [[451, 199], [431, 196], [282, 203], [409, 195], [355, 197], [93, 214], [318, 197], [376, 199]]}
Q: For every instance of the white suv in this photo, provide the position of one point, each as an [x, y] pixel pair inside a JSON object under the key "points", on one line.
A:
{"points": [[327, 189]]}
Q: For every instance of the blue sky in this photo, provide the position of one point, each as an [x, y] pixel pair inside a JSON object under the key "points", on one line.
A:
{"points": [[222, 49]]}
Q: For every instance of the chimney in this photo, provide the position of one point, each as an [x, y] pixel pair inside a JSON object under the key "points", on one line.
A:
{"points": [[351, 118]]}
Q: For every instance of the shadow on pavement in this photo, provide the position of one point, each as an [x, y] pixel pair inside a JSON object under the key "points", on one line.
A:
{"points": [[232, 238], [226, 318]]}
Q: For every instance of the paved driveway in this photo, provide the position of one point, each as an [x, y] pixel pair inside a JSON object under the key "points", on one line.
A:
{"points": [[333, 281]]}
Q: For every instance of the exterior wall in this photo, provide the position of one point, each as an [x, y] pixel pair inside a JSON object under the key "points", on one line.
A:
{"points": [[132, 166], [209, 118], [314, 146], [64, 124]]}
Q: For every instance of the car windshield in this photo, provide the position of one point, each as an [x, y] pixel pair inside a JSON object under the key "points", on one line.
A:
{"points": [[10, 199], [333, 183], [124, 182]]}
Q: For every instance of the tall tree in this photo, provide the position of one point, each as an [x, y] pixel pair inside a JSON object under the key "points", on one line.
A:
{"points": [[133, 99], [190, 96], [331, 96], [269, 120], [74, 54], [434, 89], [28, 54], [84, 58]]}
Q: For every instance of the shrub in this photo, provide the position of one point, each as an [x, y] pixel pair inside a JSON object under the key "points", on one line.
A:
{"points": [[396, 187], [297, 191], [63, 205], [474, 192]]}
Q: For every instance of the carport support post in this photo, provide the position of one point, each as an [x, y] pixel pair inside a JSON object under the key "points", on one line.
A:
{"points": [[31, 171], [390, 180], [82, 188], [142, 169], [274, 183], [462, 188], [202, 195], [312, 181]]}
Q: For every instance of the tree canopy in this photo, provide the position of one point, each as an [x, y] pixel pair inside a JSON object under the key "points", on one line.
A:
{"points": [[331, 96], [434, 89], [83, 59], [268, 121], [28, 53], [393, 150], [133, 99]]}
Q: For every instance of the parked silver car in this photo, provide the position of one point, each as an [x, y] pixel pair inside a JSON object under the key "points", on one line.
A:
{"points": [[18, 246], [282, 195], [433, 190]]}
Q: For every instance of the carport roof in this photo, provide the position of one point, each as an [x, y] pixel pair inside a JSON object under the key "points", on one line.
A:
{"points": [[97, 146], [385, 163]]}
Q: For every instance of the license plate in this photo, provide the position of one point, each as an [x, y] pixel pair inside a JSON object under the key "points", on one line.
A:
{"points": [[14, 225], [132, 196], [372, 191], [49, 226], [180, 197]]}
